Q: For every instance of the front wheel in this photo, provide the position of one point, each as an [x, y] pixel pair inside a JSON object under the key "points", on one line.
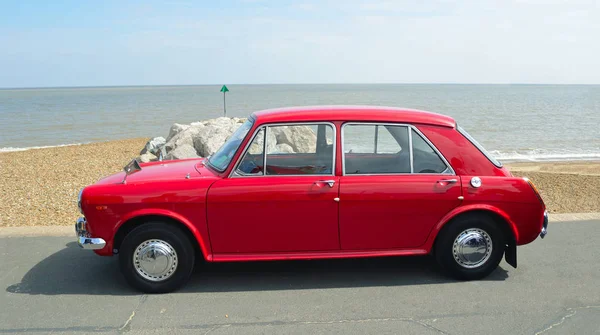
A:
{"points": [[156, 258], [471, 247]]}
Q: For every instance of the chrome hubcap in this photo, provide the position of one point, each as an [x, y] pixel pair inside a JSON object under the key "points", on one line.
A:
{"points": [[472, 248], [155, 260]]}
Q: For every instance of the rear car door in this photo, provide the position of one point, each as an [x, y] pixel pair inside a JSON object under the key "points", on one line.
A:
{"points": [[284, 201], [395, 187]]}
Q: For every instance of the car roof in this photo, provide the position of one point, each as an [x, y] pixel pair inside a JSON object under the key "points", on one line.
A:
{"points": [[352, 113]]}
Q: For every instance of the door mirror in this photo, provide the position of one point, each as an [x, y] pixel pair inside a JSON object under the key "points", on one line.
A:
{"points": [[131, 168]]}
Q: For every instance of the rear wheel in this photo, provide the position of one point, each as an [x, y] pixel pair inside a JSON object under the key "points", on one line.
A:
{"points": [[470, 247], [156, 258]]}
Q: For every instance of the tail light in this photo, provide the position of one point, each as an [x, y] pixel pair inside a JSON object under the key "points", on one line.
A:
{"points": [[535, 190]]}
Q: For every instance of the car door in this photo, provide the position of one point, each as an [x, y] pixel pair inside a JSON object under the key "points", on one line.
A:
{"points": [[284, 201], [395, 187]]}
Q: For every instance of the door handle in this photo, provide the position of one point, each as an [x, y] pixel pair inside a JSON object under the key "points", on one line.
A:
{"points": [[448, 181], [329, 182]]}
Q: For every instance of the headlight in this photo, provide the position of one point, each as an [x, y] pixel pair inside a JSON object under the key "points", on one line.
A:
{"points": [[79, 201]]}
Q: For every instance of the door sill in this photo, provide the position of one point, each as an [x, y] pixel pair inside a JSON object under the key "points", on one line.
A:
{"points": [[306, 255]]}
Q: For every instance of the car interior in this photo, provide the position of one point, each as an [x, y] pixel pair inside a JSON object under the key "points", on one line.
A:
{"points": [[425, 159]]}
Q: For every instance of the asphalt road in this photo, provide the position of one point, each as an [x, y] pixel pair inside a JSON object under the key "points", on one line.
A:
{"points": [[51, 286]]}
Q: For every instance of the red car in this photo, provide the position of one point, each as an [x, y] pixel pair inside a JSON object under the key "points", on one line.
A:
{"points": [[314, 183]]}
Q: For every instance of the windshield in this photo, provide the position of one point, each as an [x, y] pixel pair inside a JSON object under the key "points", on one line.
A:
{"points": [[221, 159], [479, 146]]}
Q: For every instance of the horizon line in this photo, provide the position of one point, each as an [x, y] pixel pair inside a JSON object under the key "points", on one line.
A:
{"points": [[283, 84]]}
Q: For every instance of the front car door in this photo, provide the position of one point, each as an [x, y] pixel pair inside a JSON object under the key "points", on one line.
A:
{"points": [[281, 201], [395, 187]]}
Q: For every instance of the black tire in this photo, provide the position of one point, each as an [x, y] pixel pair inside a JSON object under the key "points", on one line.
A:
{"points": [[177, 239], [477, 223]]}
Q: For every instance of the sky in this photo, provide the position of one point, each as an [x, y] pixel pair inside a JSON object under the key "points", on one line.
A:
{"points": [[181, 42]]}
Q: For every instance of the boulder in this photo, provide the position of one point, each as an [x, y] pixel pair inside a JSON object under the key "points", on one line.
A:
{"points": [[257, 144], [153, 145], [214, 133], [282, 149], [204, 138], [176, 128], [210, 140], [147, 157], [302, 139], [185, 136], [181, 152]]}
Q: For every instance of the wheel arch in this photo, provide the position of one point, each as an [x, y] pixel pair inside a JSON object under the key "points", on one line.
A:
{"points": [[500, 217], [136, 219]]}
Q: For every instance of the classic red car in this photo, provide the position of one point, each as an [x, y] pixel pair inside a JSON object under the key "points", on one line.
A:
{"points": [[313, 183]]}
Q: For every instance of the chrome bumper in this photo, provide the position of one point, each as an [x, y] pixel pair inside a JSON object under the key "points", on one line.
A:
{"points": [[544, 225], [84, 240]]}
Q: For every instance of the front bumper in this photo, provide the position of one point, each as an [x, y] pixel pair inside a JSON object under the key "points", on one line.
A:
{"points": [[544, 225], [83, 237]]}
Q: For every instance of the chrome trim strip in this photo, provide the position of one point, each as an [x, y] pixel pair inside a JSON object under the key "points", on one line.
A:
{"points": [[409, 126], [376, 137], [233, 173], [410, 148], [264, 152]]}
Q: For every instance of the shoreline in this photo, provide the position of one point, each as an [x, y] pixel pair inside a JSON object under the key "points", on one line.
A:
{"points": [[562, 158], [42, 184]]}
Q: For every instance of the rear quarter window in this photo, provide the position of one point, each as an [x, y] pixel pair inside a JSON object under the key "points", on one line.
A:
{"points": [[479, 146]]}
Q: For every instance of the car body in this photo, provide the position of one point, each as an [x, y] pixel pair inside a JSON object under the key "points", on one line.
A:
{"points": [[368, 181]]}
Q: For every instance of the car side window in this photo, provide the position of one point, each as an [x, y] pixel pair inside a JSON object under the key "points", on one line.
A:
{"points": [[300, 150], [375, 149], [425, 159], [253, 161]]}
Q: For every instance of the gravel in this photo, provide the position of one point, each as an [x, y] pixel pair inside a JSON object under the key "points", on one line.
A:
{"points": [[40, 186]]}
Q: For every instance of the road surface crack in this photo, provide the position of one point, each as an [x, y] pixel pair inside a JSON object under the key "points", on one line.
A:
{"points": [[426, 325], [127, 325], [215, 328], [570, 312], [212, 327]]}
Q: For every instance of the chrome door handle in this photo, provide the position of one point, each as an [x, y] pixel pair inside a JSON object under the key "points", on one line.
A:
{"points": [[449, 181], [328, 182]]}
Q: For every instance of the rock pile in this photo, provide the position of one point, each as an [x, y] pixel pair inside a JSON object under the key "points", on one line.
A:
{"points": [[204, 138]]}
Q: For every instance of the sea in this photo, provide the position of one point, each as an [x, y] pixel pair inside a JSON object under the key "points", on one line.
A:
{"points": [[513, 122]]}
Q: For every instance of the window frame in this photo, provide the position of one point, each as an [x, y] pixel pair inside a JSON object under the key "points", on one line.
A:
{"points": [[449, 169], [234, 174], [479, 147]]}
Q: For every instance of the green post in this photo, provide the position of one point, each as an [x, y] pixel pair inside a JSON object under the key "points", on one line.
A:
{"points": [[224, 89]]}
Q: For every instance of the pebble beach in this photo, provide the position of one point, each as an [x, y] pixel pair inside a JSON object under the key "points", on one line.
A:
{"points": [[40, 186]]}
